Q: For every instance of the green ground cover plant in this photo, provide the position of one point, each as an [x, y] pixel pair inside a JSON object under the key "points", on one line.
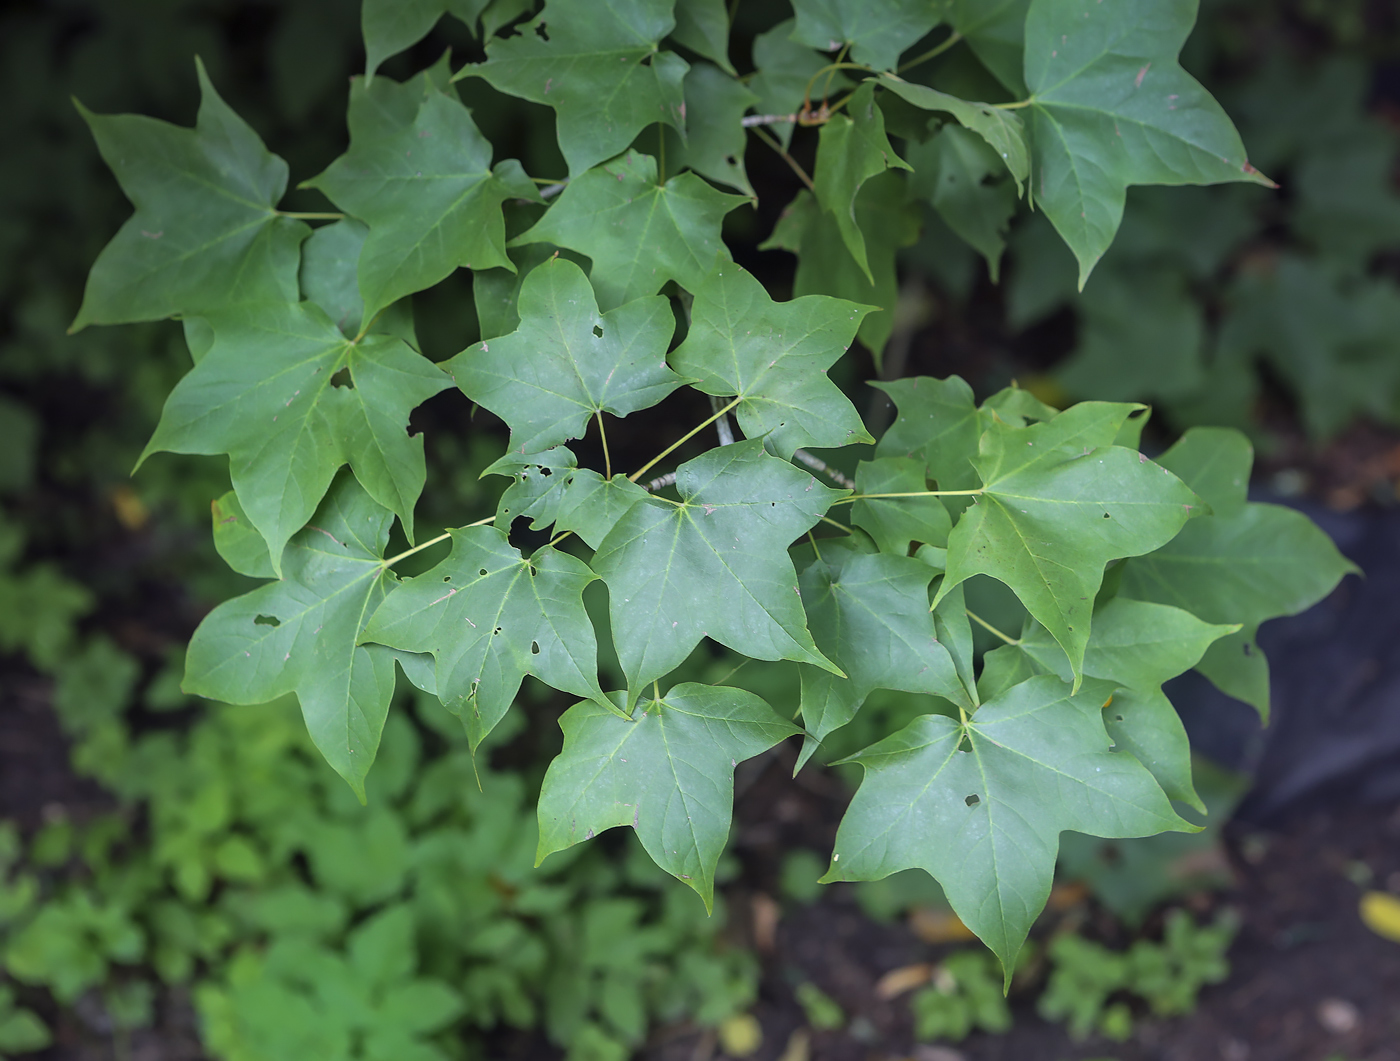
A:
{"points": [[606, 288]]}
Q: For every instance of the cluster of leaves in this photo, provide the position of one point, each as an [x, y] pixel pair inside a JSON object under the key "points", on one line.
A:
{"points": [[421, 914], [307, 368], [1208, 288]]}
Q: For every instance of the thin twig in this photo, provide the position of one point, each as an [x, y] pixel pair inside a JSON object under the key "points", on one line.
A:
{"points": [[750, 120], [819, 465], [661, 482]]}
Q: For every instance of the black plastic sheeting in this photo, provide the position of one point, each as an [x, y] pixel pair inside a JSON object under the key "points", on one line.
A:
{"points": [[1334, 735]]}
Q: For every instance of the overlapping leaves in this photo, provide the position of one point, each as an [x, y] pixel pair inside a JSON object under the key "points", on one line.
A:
{"points": [[419, 174], [301, 634], [596, 62], [290, 399], [1065, 727], [980, 805]]}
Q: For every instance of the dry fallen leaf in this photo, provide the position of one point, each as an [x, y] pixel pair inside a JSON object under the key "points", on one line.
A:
{"points": [[905, 978], [937, 926]]}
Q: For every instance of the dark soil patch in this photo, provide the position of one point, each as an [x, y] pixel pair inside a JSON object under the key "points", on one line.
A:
{"points": [[1302, 956]]}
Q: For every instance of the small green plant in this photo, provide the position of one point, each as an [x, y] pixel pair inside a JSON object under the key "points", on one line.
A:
{"points": [[823, 1012], [21, 1031], [1167, 976], [966, 994]]}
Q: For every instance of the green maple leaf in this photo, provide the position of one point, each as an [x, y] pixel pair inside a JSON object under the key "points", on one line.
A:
{"points": [[567, 363], [591, 505], [596, 63], [985, 822], [1003, 130], [1139, 646], [1244, 564], [852, 148], [300, 634], [329, 265], [715, 138], [1059, 501], [773, 357], [714, 565], [290, 400], [937, 423], [390, 26], [489, 617], [877, 31], [784, 70], [1110, 107], [206, 233], [418, 172], [237, 540], [824, 262], [550, 488], [638, 233], [668, 772], [1264, 562], [955, 172], [703, 27], [995, 31], [896, 522], [869, 615], [1215, 462], [540, 481]]}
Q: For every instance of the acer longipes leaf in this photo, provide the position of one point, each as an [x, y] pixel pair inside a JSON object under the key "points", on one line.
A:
{"points": [[301, 634], [715, 137], [330, 278], [1111, 106], [995, 31], [937, 423], [390, 26], [714, 565], [667, 771], [290, 400], [206, 233], [418, 173], [961, 178], [877, 31], [897, 522], [869, 615], [237, 540], [1245, 563], [825, 266], [703, 27], [489, 617], [852, 149], [773, 357], [596, 62], [1059, 501], [638, 233], [980, 806], [1139, 646], [567, 362], [1003, 130]]}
